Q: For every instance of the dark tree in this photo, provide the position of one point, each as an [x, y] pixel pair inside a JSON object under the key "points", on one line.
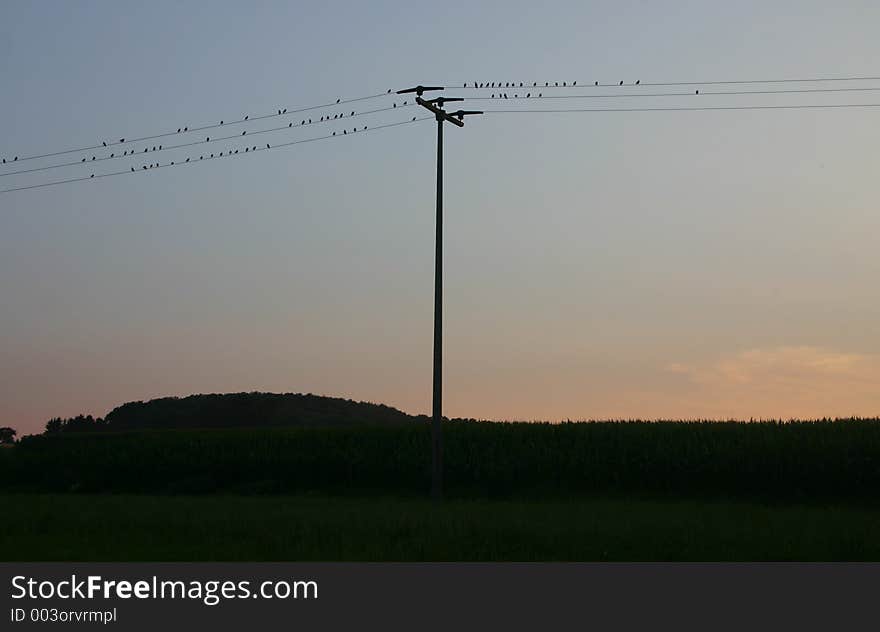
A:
{"points": [[7, 435]]}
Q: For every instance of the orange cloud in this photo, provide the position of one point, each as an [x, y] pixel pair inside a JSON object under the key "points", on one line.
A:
{"points": [[801, 381]]}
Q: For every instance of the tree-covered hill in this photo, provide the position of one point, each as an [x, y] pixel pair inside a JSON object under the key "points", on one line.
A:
{"points": [[236, 410]]}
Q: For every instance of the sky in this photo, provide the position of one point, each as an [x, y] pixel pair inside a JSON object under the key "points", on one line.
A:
{"points": [[711, 264]]}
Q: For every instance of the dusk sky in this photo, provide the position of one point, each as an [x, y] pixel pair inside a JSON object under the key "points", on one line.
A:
{"points": [[691, 264]]}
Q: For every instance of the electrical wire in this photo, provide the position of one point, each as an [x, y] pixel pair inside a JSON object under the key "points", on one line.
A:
{"points": [[291, 126], [816, 106], [230, 154], [124, 140]]}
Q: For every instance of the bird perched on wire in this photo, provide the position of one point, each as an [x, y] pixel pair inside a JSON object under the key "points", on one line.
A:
{"points": [[121, 140], [267, 146], [638, 81], [245, 117], [621, 83], [104, 143], [132, 169], [244, 132], [338, 100]]}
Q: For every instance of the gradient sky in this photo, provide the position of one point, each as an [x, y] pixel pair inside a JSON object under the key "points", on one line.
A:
{"points": [[688, 264]]}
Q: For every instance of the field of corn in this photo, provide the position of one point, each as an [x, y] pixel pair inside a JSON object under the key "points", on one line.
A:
{"points": [[803, 460]]}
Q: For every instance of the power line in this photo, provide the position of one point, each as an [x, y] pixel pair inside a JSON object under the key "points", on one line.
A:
{"points": [[816, 106], [203, 127], [504, 96], [230, 154], [581, 84], [133, 152]]}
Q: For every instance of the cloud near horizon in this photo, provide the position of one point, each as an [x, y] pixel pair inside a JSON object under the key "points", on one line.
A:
{"points": [[791, 381]]}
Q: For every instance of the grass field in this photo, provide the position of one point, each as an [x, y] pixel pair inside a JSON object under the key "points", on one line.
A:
{"points": [[200, 528]]}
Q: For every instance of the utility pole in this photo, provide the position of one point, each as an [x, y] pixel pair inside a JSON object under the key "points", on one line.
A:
{"points": [[435, 106]]}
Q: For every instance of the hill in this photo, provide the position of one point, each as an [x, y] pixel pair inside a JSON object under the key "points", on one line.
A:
{"points": [[236, 410]]}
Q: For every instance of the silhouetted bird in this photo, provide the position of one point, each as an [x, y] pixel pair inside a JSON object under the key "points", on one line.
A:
{"points": [[246, 149], [185, 129], [93, 157], [279, 111], [334, 133], [172, 163], [557, 84], [310, 120], [394, 105], [596, 84], [111, 155], [389, 91], [414, 118], [528, 95], [535, 84], [697, 92], [574, 83], [187, 159], [285, 111], [267, 146], [212, 155], [154, 148], [4, 162], [290, 125], [92, 176], [207, 139], [160, 147], [178, 130], [245, 118], [344, 132], [221, 122], [236, 151], [638, 81], [132, 169], [621, 83], [104, 143], [244, 132], [352, 113], [145, 166]]}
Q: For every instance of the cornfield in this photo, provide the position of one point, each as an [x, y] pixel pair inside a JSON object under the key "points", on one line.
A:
{"points": [[824, 460]]}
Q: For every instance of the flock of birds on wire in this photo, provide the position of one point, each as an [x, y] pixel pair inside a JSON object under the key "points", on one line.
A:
{"points": [[495, 89]]}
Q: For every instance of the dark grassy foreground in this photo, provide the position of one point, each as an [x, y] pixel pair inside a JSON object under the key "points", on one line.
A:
{"points": [[154, 528]]}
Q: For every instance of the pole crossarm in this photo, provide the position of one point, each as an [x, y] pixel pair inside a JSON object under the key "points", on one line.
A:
{"points": [[440, 114]]}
